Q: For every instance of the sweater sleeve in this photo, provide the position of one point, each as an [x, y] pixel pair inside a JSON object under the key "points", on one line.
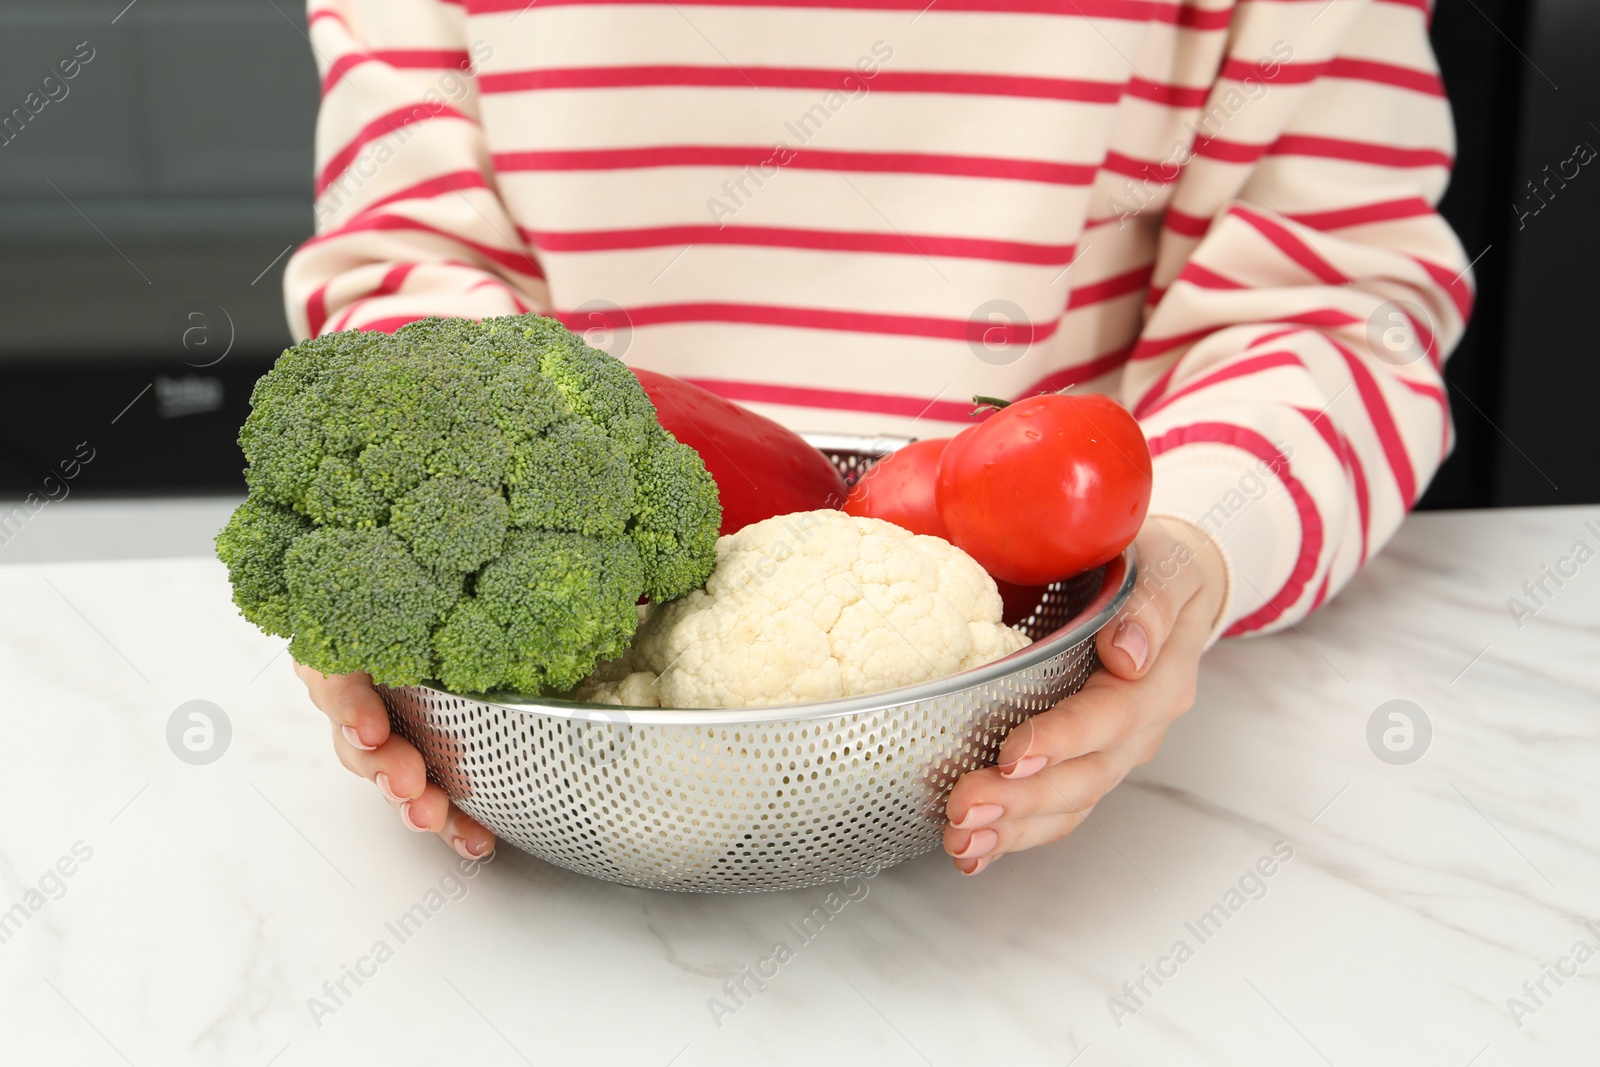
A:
{"points": [[1306, 292], [409, 221]]}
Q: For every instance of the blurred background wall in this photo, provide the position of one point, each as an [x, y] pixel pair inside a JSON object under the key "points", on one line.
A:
{"points": [[146, 214]]}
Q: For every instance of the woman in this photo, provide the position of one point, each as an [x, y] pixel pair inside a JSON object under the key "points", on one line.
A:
{"points": [[854, 214]]}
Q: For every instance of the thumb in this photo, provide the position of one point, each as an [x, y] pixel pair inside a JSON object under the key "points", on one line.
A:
{"points": [[1168, 579]]}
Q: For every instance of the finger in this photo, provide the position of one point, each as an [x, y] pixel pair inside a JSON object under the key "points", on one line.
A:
{"points": [[1168, 579], [350, 701], [985, 798], [427, 812], [470, 838], [395, 767], [1015, 835], [1091, 720], [434, 812]]}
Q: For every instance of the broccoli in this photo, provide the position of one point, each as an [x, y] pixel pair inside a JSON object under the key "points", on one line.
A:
{"points": [[480, 504]]}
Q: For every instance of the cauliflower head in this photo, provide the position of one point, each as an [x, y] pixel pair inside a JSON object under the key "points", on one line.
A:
{"points": [[812, 606]]}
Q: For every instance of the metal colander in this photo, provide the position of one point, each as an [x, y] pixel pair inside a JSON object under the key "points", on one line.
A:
{"points": [[741, 800]]}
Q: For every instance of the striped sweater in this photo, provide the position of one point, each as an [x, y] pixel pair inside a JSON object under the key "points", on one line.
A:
{"points": [[853, 215]]}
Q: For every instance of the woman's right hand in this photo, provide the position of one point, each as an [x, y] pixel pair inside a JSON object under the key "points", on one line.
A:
{"points": [[364, 744]]}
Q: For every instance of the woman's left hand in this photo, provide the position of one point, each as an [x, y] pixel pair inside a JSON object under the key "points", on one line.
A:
{"points": [[1053, 769]]}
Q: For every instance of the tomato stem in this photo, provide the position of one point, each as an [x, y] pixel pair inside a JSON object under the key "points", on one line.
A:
{"points": [[988, 404]]}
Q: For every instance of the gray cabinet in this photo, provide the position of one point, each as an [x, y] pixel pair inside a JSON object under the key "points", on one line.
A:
{"points": [[172, 168]]}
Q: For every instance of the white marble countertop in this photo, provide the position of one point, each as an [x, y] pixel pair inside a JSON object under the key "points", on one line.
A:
{"points": [[162, 913]]}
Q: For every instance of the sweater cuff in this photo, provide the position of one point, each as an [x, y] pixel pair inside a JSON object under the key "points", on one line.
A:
{"points": [[1234, 499]]}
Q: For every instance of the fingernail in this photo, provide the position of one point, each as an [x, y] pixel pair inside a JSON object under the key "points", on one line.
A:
{"points": [[977, 868], [405, 817], [981, 843], [465, 851], [354, 738], [1132, 639], [384, 787], [979, 815], [1024, 767]]}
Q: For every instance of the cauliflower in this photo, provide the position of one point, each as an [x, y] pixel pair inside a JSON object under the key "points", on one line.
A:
{"points": [[812, 606]]}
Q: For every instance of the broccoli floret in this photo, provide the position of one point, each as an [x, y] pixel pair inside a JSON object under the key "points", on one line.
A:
{"points": [[677, 519], [452, 523], [555, 590], [359, 601], [481, 503], [474, 651], [572, 477], [252, 544]]}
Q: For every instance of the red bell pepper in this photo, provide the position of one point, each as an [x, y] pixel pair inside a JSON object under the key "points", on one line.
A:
{"points": [[761, 468]]}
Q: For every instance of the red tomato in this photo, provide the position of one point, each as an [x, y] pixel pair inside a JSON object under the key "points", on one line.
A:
{"points": [[1047, 487], [761, 469], [899, 488]]}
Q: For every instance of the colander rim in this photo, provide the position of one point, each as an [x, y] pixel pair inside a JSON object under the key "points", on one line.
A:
{"points": [[1116, 587]]}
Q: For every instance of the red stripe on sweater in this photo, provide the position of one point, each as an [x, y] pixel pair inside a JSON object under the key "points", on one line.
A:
{"points": [[1186, 225], [1148, 171], [1383, 424], [1229, 151], [1430, 343], [317, 16], [383, 125], [398, 58], [1410, 207], [765, 157], [1068, 377], [1379, 155], [1151, 347], [1323, 319], [1169, 95], [1370, 70], [805, 318], [1317, 318], [839, 80], [793, 237], [513, 260], [454, 182], [1322, 591], [1290, 244], [394, 280], [1311, 530], [1271, 336], [344, 318], [391, 324], [1287, 73], [390, 283], [1339, 445], [1226, 372], [1461, 293], [317, 309], [1206, 278], [1132, 281], [1437, 395], [1123, 10], [498, 283]]}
